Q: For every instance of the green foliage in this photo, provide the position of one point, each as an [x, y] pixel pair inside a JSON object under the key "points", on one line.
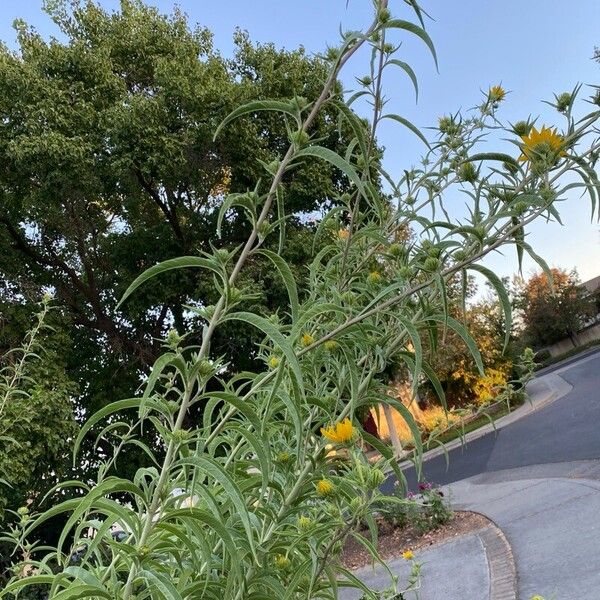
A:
{"points": [[554, 306], [37, 425], [425, 511], [110, 167], [240, 495]]}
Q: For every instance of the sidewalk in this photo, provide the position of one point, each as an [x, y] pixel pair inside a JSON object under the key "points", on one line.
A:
{"points": [[550, 527], [475, 566], [551, 523]]}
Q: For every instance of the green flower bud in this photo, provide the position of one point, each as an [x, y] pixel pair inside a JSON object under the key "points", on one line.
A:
{"points": [[300, 102], [349, 298], [376, 478], [235, 295], [300, 138], [374, 277], [332, 54], [222, 255], [284, 457], [273, 166], [23, 511], [454, 142], [467, 172], [431, 264], [356, 504], [205, 368], [282, 562], [522, 128], [405, 272], [563, 102], [263, 230], [304, 523], [520, 207], [182, 436], [397, 250], [208, 312], [547, 193], [366, 81], [384, 15], [448, 125], [173, 339]]}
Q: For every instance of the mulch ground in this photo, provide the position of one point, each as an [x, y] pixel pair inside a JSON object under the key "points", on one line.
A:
{"points": [[395, 540]]}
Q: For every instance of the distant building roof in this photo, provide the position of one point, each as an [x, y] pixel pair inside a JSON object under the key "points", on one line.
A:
{"points": [[593, 284]]}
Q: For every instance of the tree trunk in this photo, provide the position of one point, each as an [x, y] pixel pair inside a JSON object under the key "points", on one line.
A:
{"points": [[396, 443]]}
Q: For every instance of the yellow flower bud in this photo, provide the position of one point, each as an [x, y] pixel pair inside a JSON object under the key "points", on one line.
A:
{"points": [[307, 339]]}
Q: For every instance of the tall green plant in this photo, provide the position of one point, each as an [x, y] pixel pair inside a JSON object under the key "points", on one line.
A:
{"points": [[257, 497]]}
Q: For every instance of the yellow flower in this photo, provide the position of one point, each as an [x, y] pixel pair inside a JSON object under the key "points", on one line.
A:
{"points": [[537, 141], [273, 362], [496, 93], [374, 276], [343, 234], [408, 555], [324, 487], [307, 339], [340, 432]]}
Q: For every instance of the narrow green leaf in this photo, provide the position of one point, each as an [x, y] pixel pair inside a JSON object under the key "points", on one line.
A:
{"points": [[337, 161], [211, 467], [409, 71], [183, 262], [288, 280], [493, 156], [464, 334], [258, 106], [409, 125], [271, 331], [503, 297], [416, 30]]}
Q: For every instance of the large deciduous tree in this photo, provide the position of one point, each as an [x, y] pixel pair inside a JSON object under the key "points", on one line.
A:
{"points": [[552, 308], [108, 165]]}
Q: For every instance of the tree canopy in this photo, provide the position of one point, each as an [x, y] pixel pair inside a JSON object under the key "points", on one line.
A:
{"points": [[109, 166], [552, 309]]}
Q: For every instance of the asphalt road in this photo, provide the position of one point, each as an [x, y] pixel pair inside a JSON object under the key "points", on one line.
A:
{"points": [[566, 430]]}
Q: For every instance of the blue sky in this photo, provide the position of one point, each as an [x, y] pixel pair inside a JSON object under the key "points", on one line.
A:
{"points": [[533, 47]]}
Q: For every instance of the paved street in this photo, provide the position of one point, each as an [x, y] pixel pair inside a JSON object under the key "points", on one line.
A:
{"points": [[564, 431]]}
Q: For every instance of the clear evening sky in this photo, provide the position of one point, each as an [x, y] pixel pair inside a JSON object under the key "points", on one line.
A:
{"points": [[534, 48]]}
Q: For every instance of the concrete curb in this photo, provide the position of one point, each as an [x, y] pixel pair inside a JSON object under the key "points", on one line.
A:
{"points": [[501, 563]]}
